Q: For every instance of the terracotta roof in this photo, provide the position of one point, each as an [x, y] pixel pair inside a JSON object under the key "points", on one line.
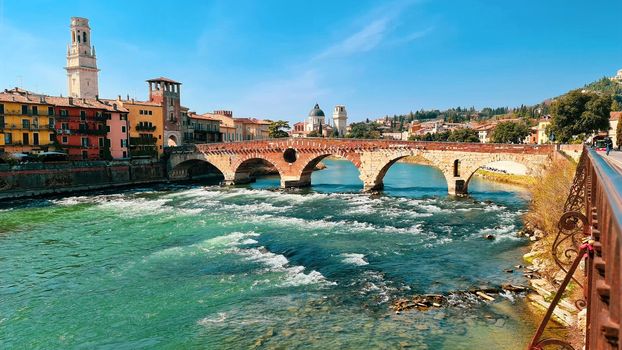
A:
{"points": [[244, 120], [86, 103], [166, 80], [615, 116], [130, 102], [23, 96], [205, 116]]}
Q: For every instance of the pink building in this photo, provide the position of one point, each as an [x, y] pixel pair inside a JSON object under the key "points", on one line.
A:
{"points": [[117, 136]]}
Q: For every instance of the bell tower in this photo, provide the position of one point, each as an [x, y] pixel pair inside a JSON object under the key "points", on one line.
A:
{"points": [[82, 72], [340, 119]]}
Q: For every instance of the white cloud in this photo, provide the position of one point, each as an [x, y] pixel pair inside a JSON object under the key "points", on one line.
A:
{"points": [[364, 40]]}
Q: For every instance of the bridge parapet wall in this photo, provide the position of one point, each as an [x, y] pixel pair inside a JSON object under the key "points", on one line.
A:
{"points": [[373, 158]]}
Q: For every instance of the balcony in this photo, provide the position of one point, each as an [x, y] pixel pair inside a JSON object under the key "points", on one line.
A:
{"points": [[88, 131], [142, 127], [33, 127], [143, 141]]}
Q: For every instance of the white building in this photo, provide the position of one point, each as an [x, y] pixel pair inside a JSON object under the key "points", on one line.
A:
{"points": [[81, 67], [315, 119], [340, 119], [618, 76]]}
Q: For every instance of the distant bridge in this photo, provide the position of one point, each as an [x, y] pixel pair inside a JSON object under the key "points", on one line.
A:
{"points": [[295, 158]]}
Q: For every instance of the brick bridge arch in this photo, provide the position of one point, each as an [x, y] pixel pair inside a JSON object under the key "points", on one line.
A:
{"points": [[373, 158]]}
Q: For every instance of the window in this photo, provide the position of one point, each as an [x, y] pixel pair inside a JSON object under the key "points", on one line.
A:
{"points": [[35, 110], [123, 128], [50, 110], [85, 142], [124, 154], [63, 112], [107, 128], [35, 138], [123, 143], [82, 115], [8, 138], [85, 155], [24, 109], [64, 126], [25, 138], [141, 112], [64, 139], [51, 123], [1, 108], [25, 124], [101, 142], [1, 121], [84, 37]]}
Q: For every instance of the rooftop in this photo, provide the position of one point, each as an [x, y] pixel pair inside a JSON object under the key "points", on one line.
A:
{"points": [[163, 79]]}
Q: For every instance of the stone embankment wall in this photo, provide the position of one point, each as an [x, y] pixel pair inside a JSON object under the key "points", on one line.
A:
{"points": [[34, 179]]}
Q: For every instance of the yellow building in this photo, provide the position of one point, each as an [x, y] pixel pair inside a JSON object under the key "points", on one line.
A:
{"points": [[146, 127], [26, 122], [543, 136]]}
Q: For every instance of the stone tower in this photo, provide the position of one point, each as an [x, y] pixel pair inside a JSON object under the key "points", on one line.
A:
{"points": [[81, 61], [340, 119], [167, 93]]}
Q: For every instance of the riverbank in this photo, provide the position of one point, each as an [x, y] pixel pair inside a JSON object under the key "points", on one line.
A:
{"points": [[40, 179], [549, 193], [502, 173]]}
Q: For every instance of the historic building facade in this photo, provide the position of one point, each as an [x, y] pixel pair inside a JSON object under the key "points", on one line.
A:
{"points": [[26, 122]]}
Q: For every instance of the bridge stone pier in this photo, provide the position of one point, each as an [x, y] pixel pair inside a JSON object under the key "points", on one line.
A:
{"points": [[296, 158]]}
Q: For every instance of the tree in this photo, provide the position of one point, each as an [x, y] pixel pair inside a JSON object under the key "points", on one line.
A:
{"points": [[463, 135], [364, 131], [578, 113], [277, 129], [616, 106], [619, 132], [510, 132], [313, 133]]}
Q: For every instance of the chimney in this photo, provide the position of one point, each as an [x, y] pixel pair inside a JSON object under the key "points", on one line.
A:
{"points": [[118, 97], [97, 97], [70, 100]]}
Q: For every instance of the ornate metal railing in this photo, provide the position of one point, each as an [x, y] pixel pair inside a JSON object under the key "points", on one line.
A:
{"points": [[591, 230]]}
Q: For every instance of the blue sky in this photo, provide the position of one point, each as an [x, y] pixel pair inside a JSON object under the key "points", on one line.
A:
{"points": [[275, 59]]}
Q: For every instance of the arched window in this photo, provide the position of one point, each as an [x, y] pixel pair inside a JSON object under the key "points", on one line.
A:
{"points": [[73, 37], [84, 37], [456, 168]]}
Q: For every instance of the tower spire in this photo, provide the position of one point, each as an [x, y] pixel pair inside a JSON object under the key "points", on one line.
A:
{"points": [[82, 72]]}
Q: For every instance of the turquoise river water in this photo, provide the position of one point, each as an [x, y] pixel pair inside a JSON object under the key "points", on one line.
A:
{"points": [[200, 266]]}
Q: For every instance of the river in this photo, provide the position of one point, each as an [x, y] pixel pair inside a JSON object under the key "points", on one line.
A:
{"points": [[207, 267]]}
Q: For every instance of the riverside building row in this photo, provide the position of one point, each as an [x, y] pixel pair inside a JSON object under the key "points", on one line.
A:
{"points": [[85, 126]]}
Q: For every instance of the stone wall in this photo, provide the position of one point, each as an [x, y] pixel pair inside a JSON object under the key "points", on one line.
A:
{"points": [[33, 179]]}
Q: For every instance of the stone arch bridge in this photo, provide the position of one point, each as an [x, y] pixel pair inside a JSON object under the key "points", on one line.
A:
{"points": [[295, 158]]}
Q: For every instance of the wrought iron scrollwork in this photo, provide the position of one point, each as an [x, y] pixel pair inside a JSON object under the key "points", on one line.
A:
{"points": [[569, 248], [572, 232], [573, 223]]}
